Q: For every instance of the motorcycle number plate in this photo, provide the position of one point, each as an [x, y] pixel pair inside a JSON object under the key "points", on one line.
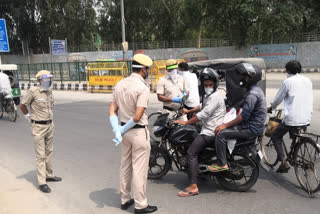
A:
{"points": [[260, 154]]}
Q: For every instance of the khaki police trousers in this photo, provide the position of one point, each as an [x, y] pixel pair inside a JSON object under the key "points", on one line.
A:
{"points": [[135, 152], [43, 136]]}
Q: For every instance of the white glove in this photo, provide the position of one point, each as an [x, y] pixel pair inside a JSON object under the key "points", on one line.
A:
{"points": [[27, 116]]}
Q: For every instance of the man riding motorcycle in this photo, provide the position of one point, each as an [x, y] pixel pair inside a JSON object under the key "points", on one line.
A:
{"points": [[211, 114], [249, 123]]}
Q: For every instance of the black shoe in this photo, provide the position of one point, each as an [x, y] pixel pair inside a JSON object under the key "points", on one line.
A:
{"points": [[54, 179], [45, 188], [148, 209], [283, 168], [127, 204]]}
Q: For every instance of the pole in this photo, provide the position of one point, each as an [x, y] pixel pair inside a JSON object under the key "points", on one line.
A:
{"points": [[123, 26]]}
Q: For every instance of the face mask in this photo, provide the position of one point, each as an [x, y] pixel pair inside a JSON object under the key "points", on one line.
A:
{"points": [[146, 74], [289, 75], [45, 83], [208, 90], [173, 74], [181, 72]]}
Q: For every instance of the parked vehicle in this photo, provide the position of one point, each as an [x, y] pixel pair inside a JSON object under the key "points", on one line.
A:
{"points": [[12, 71]]}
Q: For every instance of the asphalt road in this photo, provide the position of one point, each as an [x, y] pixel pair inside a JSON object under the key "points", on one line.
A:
{"points": [[87, 160]]}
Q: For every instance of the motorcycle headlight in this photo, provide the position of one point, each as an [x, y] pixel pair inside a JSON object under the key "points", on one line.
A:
{"points": [[158, 131]]}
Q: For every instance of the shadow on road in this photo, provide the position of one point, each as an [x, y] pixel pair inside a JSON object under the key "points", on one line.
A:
{"points": [[107, 197], [180, 181], [279, 180], [30, 176]]}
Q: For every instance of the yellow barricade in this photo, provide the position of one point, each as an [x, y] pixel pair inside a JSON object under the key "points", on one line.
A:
{"points": [[158, 70], [103, 76]]}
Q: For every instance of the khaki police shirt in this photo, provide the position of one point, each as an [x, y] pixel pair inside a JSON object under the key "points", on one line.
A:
{"points": [[167, 88], [40, 102], [130, 93]]}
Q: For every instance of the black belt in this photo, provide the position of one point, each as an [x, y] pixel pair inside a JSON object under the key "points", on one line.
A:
{"points": [[43, 122], [168, 108], [137, 126]]}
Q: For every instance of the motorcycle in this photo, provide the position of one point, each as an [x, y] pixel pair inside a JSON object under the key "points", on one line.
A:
{"points": [[176, 139], [8, 106]]}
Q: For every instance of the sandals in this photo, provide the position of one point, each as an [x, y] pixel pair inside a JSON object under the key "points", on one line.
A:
{"points": [[216, 168], [186, 193]]}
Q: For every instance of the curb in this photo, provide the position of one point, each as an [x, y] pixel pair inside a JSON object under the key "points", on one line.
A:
{"points": [[282, 70], [69, 86]]}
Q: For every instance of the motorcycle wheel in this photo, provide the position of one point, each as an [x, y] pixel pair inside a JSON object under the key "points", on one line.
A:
{"points": [[159, 162], [12, 111], [243, 173]]}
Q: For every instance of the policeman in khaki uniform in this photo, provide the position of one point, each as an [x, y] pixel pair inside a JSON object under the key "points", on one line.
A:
{"points": [[41, 101], [130, 100], [171, 88]]}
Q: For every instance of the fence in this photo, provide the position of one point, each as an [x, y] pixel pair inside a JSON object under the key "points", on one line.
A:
{"points": [[64, 71]]}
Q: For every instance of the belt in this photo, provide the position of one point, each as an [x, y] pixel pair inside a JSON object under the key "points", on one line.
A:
{"points": [[168, 108], [43, 122], [137, 126]]}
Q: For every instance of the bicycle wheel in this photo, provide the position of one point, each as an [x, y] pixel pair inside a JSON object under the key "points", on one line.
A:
{"points": [[268, 150], [151, 119], [12, 111], [307, 165]]}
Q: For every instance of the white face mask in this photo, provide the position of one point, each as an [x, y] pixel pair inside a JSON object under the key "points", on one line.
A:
{"points": [[208, 90], [182, 72], [173, 75]]}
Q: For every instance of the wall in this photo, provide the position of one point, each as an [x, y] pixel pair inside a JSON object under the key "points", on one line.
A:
{"points": [[307, 53]]}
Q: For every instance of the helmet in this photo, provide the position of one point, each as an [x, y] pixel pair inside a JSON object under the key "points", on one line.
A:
{"points": [[210, 74], [253, 71]]}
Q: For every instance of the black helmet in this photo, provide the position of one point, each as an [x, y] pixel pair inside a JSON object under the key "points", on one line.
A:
{"points": [[210, 74], [253, 71]]}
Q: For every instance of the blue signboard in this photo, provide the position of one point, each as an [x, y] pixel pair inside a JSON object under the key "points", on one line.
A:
{"points": [[274, 51], [58, 47], [4, 44]]}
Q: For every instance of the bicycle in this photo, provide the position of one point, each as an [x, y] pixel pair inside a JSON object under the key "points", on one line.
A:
{"points": [[304, 155], [8, 106]]}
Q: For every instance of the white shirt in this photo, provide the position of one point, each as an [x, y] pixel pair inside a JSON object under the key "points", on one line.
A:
{"points": [[296, 92], [212, 113], [5, 86], [192, 85]]}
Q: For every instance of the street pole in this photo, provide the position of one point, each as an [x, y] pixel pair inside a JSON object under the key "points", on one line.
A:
{"points": [[123, 27]]}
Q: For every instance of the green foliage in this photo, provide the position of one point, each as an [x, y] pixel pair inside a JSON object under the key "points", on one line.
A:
{"points": [[98, 22]]}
